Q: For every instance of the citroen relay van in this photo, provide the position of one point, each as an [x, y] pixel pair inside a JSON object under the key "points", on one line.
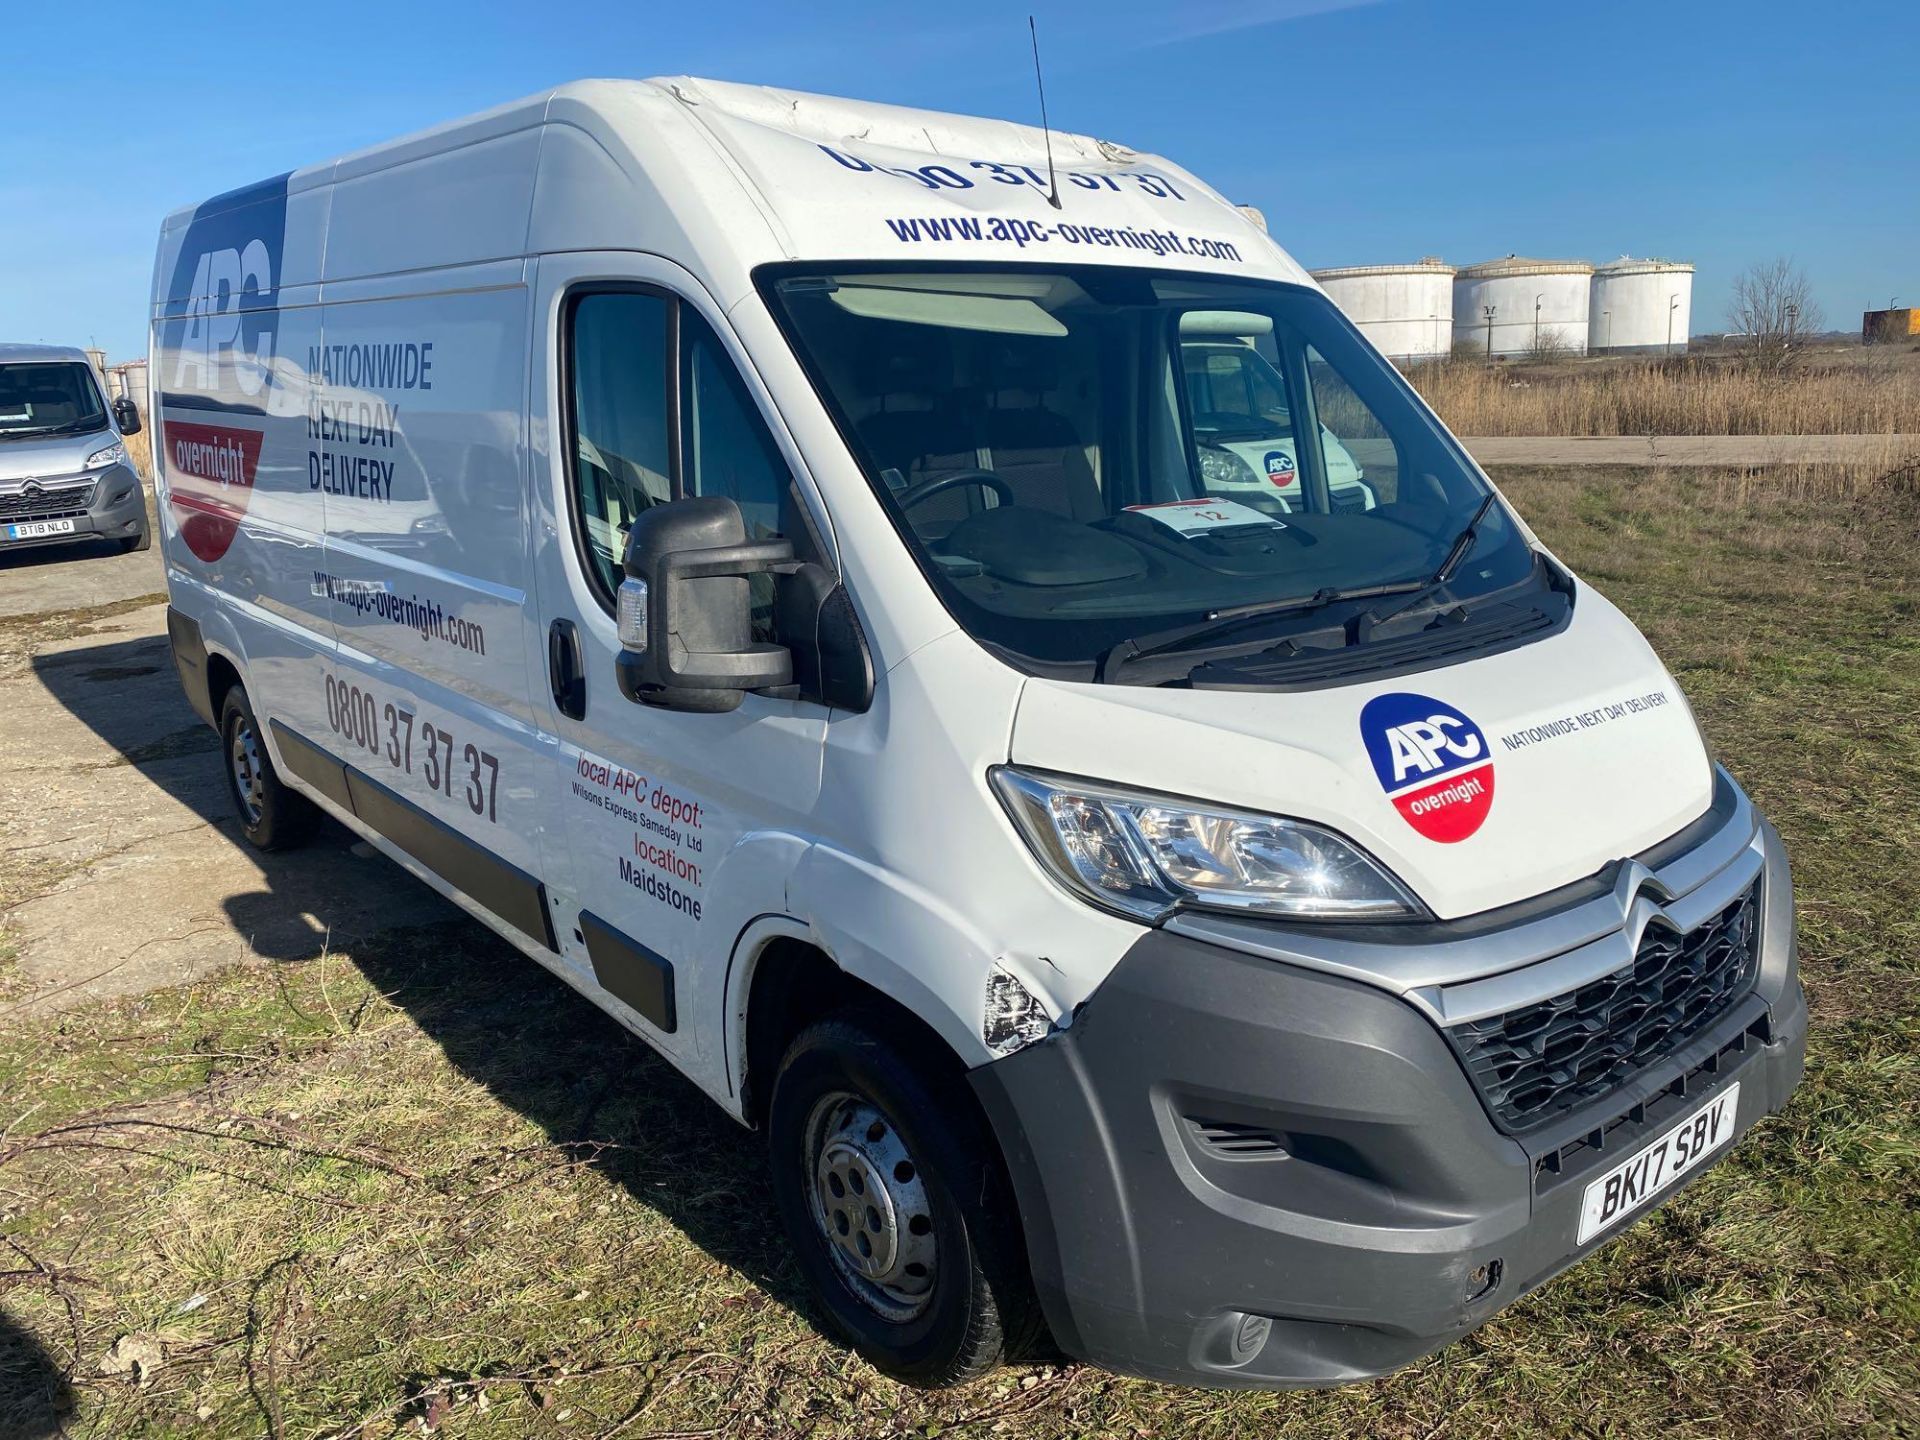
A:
{"points": [[776, 560], [64, 470]]}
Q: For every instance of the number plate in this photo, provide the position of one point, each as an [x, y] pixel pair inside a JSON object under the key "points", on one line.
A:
{"points": [[1633, 1183], [34, 529]]}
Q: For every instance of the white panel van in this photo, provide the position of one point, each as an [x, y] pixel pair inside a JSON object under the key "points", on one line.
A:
{"points": [[946, 633], [65, 476]]}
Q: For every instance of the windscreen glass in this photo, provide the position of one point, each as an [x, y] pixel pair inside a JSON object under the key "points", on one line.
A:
{"points": [[51, 398], [1081, 455]]}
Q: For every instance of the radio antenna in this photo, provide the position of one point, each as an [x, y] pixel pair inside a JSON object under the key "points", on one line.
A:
{"points": [[1053, 185]]}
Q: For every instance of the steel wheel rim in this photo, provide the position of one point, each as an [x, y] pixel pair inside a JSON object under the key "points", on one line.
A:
{"points": [[870, 1206], [249, 782]]}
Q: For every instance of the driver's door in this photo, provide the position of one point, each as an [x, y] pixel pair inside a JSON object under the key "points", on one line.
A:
{"points": [[681, 827]]}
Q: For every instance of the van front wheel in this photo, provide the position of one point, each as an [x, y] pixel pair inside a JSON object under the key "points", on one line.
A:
{"points": [[893, 1193], [272, 817]]}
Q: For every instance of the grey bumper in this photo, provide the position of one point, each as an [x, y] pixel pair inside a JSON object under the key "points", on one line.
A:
{"points": [[116, 509], [1239, 1172]]}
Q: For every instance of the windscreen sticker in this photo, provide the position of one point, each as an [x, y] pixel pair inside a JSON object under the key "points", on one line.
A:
{"points": [[1280, 468], [1197, 517], [1432, 762]]}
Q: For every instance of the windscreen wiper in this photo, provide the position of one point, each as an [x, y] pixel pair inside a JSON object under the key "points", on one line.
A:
{"points": [[1456, 552], [70, 427], [1224, 621]]}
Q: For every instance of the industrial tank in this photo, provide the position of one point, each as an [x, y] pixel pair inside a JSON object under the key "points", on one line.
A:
{"points": [[1640, 307], [1405, 310], [1539, 306]]}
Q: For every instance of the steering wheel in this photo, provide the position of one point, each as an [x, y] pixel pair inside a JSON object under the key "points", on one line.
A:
{"points": [[927, 489]]}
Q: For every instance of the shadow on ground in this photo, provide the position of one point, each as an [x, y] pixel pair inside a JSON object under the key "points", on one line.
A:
{"points": [[527, 1037], [32, 557], [34, 1394]]}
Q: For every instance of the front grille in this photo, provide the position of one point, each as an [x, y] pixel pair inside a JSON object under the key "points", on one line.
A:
{"points": [[1542, 1061], [46, 504]]}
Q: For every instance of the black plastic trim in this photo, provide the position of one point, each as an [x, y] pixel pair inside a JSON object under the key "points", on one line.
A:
{"points": [[190, 659], [1354, 1247], [485, 878], [310, 763], [630, 972]]}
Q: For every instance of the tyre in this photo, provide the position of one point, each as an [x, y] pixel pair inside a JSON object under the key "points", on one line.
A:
{"points": [[892, 1190], [272, 817]]}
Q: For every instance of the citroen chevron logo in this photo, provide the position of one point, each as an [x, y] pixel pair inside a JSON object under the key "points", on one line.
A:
{"points": [[1634, 883]]}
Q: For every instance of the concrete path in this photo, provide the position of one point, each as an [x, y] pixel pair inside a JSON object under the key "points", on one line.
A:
{"points": [[121, 865], [82, 576], [1691, 449]]}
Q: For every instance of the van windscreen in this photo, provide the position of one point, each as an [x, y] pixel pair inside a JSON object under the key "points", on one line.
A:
{"points": [[1078, 457], [49, 398]]}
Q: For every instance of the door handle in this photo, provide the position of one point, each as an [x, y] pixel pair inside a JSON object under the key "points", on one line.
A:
{"points": [[565, 671]]}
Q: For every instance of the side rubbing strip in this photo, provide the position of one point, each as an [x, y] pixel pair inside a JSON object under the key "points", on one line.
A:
{"points": [[476, 872], [312, 764], [630, 971]]}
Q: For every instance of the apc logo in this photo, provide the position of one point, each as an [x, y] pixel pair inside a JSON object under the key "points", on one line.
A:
{"points": [[1432, 762], [1280, 468], [217, 337]]}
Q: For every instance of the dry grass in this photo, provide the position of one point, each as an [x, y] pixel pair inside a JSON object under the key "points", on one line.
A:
{"points": [[424, 1189], [140, 450], [1852, 393]]}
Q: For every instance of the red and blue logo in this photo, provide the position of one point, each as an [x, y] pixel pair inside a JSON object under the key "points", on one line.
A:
{"points": [[1432, 762]]}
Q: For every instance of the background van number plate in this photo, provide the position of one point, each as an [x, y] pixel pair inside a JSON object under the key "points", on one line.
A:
{"points": [[34, 529], [1635, 1181]]}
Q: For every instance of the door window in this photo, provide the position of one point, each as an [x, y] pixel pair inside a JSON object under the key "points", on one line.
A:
{"points": [[1362, 459], [622, 346], [622, 451], [729, 449]]}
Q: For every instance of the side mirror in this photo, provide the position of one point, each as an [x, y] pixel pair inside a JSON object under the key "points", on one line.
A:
{"points": [[686, 607], [126, 415]]}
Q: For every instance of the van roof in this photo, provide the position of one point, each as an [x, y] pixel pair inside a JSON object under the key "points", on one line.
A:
{"points": [[11, 354], [724, 177]]}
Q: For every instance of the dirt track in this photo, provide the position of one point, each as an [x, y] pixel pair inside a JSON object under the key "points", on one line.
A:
{"points": [[1688, 449]]}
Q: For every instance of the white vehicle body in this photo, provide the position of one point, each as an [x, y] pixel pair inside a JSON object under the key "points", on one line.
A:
{"points": [[365, 426]]}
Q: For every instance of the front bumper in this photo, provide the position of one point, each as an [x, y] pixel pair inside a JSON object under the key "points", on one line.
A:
{"points": [[1239, 1172], [115, 509]]}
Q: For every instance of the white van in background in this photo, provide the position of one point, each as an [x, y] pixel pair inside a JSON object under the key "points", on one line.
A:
{"points": [[764, 558], [65, 475]]}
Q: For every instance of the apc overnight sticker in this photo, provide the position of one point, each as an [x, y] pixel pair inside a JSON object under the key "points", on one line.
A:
{"points": [[1432, 762]]}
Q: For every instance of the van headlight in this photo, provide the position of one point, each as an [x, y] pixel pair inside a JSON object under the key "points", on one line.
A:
{"points": [[1221, 469], [114, 454], [1146, 855]]}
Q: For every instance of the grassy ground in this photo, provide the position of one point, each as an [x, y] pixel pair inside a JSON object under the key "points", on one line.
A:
{"points": [[423, 1188], [1833, 392]]}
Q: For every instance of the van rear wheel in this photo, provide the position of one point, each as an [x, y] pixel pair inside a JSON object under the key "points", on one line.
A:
{"points": [[899, 1209], [272, 817]]}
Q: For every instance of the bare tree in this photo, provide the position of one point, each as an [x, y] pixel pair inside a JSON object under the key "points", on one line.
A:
{"points": [[1548, 346], [1772, 311]]}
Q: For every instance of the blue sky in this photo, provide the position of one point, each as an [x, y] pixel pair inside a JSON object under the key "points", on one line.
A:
{"points": [[1367, 132]]}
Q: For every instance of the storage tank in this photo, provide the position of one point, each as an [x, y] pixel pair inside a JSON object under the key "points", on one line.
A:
{"points": [[130, 379], [1640, 307], [1539, 306], [1405, 310]]}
